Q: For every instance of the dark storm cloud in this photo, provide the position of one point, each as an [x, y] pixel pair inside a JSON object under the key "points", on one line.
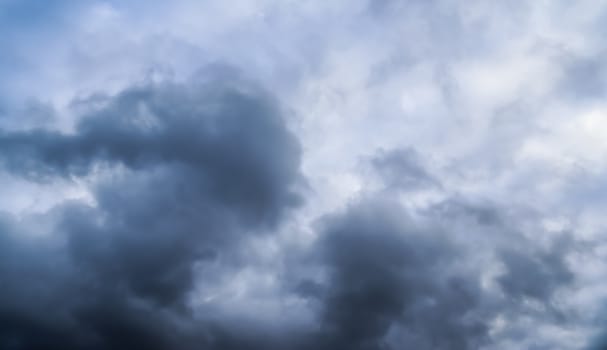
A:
{"points": [[221, 139], [193, 170], [535, 274], [390, 277], [395, 277], [184, 175], [598, 343]]}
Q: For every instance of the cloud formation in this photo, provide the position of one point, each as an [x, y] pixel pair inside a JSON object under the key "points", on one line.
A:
{"points": [[369, 175], [389, 280], [195, 169]]}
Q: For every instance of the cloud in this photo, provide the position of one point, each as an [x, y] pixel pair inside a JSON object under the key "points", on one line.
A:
{"points": [[535, 274], [425, 173], [194, 170], [386, 274], [403, 169]]}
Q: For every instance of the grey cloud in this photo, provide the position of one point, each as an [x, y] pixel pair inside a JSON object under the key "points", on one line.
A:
{"points": [[530, 269], [387, 274], [117, 275], [481, 213], [535, 274], [395, 277], [598, 343], [205, 165], [184, 175], [403, 169], [583, 77]]}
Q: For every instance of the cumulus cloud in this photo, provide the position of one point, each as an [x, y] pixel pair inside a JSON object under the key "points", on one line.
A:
{"points": [[390, 278], [201, 166]]}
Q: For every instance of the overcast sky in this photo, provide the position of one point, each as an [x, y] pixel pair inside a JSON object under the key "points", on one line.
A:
{"points": [[295, 175]]}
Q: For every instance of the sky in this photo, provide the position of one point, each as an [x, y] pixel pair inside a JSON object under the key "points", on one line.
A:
{"points": [[294, 175]]}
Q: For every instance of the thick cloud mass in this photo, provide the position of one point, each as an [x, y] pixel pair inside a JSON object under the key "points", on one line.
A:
{"points": [[204, 165], [387, 274], [295, 175], [184, 175]]}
